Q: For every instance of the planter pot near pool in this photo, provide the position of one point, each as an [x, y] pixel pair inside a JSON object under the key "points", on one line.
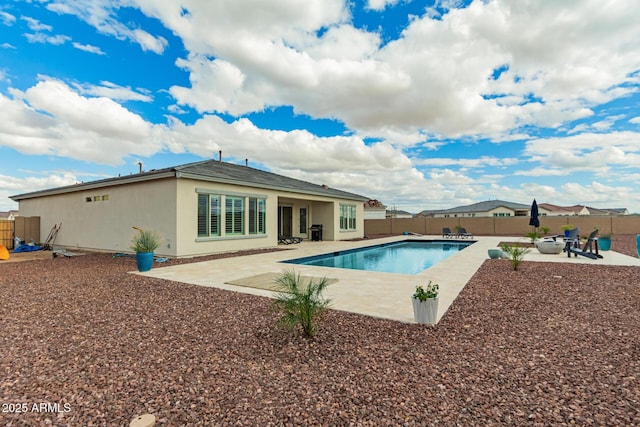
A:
{"points": [[425, 312], [604, 243], [495, 253], [144, 260]]}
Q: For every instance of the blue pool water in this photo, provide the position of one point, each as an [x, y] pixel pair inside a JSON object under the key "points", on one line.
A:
{"points": [[407, 257]]}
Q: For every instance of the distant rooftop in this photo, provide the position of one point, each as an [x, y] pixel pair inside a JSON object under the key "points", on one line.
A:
{"points": [[478, 207]]}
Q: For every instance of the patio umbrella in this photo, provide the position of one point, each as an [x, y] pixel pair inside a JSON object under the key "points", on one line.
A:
{"points": [[534, 215]]}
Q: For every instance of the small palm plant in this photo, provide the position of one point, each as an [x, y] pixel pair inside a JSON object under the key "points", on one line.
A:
{"points": [[533, 236], [299, 301], [515, 254]]}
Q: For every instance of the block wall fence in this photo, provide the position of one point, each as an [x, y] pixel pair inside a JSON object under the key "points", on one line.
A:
{"points": [[503, 226]]}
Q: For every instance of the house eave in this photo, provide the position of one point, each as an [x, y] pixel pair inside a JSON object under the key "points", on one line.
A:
{"points": [[150, 176], [94, 185]]}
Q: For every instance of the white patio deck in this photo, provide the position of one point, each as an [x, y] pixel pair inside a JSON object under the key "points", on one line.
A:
{"points": [[384, 295]]}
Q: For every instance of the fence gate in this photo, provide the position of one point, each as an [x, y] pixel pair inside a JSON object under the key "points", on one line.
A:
{"points": [[6, 233]]}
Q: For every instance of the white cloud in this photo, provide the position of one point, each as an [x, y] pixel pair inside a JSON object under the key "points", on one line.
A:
{"points": [[149, 42], [113, 91], [47, 39], [36, 25], [342, 42], [479, 162], [7, 18], [543, 171], [50, 118], [11, 186], [101, 14], [635, 120], [587, 151], [380, 4], [88, 48]]}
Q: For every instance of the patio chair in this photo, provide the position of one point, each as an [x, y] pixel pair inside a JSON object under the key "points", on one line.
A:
{"points": [[446, 233], [571, 240], [588, 248], [285, 240], [462, 232]]}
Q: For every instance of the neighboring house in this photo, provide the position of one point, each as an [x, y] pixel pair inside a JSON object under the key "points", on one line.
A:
{"points": [[374, 209], [549, 209], [198, 208], [395, 213], [555, 210], [490, 208], [10, 215]]}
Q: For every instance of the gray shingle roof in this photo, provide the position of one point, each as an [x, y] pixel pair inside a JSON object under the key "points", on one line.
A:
{"points": [[210, 170], [488, 205], [245, 175], [485, 206]]}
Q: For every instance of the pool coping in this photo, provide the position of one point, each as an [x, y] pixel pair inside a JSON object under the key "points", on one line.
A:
{"points": [[378, 294]]}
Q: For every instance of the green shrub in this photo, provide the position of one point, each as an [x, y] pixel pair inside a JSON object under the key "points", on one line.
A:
{"points": [[515, 254], [300, 302], [423, 294]]}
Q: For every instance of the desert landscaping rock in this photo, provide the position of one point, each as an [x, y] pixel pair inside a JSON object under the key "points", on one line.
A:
{"points": [[551, 344]]}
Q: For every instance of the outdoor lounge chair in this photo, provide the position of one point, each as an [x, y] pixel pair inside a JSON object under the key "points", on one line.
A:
{"points": [[462, 232], [446, 233], [588, 248], [285, 240]]}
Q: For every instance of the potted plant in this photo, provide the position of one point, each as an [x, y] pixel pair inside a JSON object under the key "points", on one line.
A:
{"points": [[604, 242], [566, 228], [425, 304], [144, 243]]}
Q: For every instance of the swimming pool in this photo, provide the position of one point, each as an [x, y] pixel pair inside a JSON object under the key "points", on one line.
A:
{"points": [[406, 257]]}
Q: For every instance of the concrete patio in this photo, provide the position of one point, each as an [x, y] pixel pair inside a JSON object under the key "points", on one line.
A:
{"points": [[384, 295]]}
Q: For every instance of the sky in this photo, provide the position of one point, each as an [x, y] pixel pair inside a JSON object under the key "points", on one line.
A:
{"points": [[419, 104]]}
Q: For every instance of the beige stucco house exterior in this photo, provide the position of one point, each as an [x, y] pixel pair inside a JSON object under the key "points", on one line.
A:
{"points": [[198, 208]]}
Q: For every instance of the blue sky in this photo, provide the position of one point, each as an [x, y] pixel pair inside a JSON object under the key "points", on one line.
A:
{"points": [[419, 104]]}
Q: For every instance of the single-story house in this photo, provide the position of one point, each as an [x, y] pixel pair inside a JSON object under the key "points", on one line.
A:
{"points": [[397, 213], [489, 208], [9, 215], [198, 208], [555, 210], [374, 209]]}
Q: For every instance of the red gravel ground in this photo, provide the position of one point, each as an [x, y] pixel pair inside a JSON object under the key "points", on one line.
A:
{"points": [[551, 344]]}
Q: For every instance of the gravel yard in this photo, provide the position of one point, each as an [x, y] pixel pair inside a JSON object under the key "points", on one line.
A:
{"points": [[551, 344]]}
